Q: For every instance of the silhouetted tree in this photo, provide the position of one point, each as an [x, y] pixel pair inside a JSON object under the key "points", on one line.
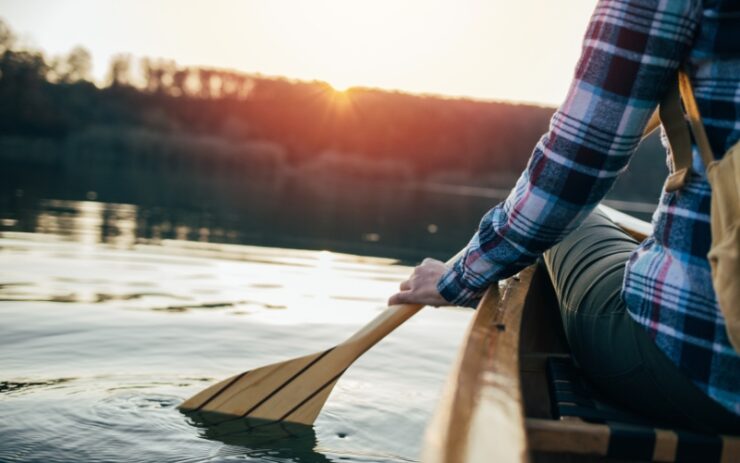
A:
{"points": [[204, 80], [119, 73], [74, 67], [180, 81], [168, 68], [7, 38], [152, 75]]}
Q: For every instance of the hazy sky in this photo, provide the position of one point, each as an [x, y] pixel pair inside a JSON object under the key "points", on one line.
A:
{"points": [[521, 50]]}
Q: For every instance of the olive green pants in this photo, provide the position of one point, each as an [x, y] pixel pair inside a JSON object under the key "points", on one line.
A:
{"points": [[616, 353]]}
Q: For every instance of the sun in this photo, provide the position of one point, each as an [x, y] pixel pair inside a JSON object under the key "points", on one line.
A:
{"points": [[340, 86], [340, 97]]}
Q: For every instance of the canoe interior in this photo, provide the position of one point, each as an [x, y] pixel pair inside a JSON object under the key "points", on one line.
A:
{"points": [[571, 439], [541, 336], [496, 405]]}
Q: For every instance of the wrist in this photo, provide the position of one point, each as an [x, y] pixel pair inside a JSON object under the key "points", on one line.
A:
{"points": [[453, 288]]}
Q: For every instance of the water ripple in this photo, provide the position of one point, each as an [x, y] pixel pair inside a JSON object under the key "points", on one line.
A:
{"points": [[129, 421], [11, 387], [125, 418], [99, 378]]}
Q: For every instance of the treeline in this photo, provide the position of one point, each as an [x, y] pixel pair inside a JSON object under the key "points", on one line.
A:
{"points": [[213, 111]]}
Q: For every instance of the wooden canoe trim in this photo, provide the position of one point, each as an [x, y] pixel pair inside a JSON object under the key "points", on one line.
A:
{"points": [[665, 445], [638, 229], [480, 417], [576, 437], [730, 449], [567, 436]]}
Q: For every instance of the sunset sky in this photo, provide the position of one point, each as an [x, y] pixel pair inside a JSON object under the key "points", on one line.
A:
{"points": [[522, 50]]}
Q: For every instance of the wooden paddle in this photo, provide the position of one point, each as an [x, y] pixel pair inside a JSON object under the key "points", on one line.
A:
{"points": [[295, 390]]}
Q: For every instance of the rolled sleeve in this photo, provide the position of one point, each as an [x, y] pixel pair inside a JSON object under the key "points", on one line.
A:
{"points": [[631, 53]]}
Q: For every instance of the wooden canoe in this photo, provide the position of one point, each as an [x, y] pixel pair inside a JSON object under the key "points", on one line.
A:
{"points": [[497, 404]]}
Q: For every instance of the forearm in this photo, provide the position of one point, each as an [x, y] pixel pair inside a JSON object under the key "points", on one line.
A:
{"points": [[631, 52]]}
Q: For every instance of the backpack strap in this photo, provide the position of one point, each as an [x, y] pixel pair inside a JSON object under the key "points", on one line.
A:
{"points": [[692, 111], [679, 139], [652, 124]]}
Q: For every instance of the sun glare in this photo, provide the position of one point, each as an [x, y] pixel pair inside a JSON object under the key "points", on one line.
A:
{"points": [[339, 86], [479, 49], [485, 49], [340, 98]]}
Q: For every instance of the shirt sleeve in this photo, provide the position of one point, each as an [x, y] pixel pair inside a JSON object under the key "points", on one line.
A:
{"points": [[631, 53]]}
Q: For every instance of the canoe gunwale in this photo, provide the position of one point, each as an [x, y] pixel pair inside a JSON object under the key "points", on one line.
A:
{"points": [[483, 390]]}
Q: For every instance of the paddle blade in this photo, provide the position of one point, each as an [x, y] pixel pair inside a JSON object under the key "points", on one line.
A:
{"points": [[293, 391]]}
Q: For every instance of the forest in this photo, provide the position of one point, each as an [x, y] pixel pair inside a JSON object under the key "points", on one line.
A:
{"points": [[156, 114], [264, 160]]}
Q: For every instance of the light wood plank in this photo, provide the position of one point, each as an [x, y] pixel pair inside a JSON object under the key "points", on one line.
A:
{"points": [[638, 229], [480, 417], [567, 436], [730, 449], [666, 442]]}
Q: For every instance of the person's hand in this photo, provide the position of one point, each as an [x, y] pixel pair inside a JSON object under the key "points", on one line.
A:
{"points": [[421, 287]]}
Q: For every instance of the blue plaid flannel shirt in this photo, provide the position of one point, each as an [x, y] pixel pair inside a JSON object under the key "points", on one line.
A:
{"points": [[631, 51]]}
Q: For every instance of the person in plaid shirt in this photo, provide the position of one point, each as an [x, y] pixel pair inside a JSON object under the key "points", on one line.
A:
{"points": [[642, 320]]}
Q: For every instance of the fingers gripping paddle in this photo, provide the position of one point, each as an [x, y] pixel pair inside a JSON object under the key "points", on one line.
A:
{"points": [[295, 390]]}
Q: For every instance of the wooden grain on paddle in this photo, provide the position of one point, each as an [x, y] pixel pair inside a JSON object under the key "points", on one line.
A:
{"points": [[295, 390]]}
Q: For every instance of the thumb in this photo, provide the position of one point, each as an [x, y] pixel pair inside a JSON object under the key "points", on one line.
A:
{"points": [[401, 297]]}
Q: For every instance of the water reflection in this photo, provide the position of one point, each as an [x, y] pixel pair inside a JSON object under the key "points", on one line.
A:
{"points": [[188, 277], [89, 222], [368, 217], [11, 387], [99, 377], [142, 291], [276, 439], [125, 208]]}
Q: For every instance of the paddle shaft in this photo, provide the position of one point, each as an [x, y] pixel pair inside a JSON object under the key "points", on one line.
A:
{"points": [[381, 325], [387, 321]]}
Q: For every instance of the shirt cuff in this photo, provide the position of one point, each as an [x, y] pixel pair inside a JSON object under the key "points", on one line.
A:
{"points": [[452, 287]]}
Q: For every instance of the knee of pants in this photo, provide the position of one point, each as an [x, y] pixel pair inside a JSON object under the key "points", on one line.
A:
{"points": [[589, 263], [603, 345]]}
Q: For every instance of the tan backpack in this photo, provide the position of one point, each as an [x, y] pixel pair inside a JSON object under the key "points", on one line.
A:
{"points": [[724, 178]]}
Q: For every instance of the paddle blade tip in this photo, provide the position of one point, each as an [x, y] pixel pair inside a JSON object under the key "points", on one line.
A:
{"points": [[292, 391]]}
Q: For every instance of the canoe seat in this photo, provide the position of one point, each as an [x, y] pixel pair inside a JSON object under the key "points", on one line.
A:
{"points": [[572, 396], [608, 431]]}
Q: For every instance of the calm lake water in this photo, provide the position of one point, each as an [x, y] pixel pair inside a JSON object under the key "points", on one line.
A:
{"points": [[124, 292], [103, 334]]}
